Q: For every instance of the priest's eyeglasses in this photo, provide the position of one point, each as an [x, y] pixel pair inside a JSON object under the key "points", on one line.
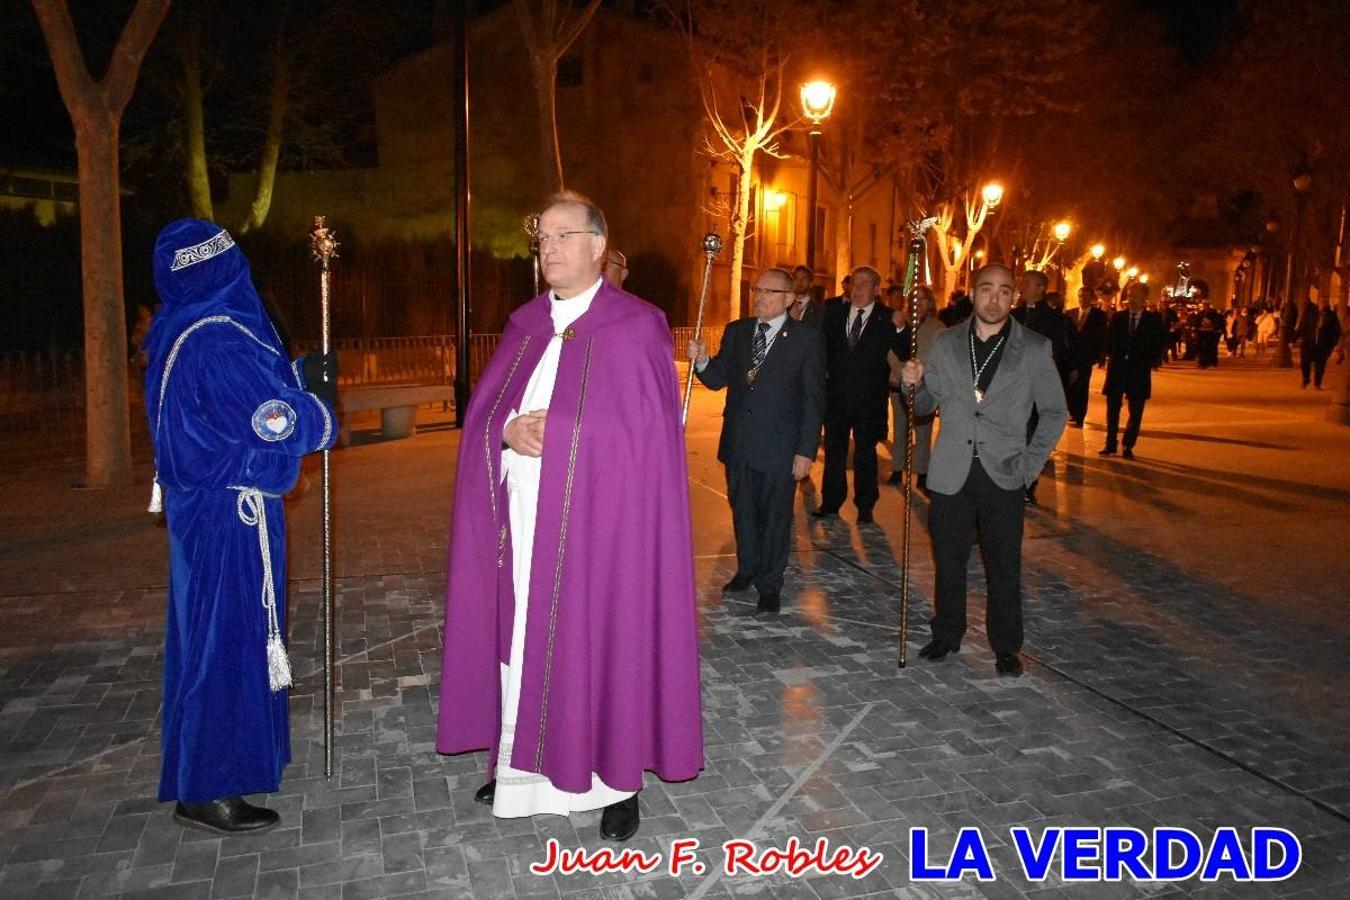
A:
{"points": [[760, 290], [561, 239]]}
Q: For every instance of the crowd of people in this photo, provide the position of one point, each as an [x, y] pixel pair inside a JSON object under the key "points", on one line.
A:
{"points": [[571, 644]]}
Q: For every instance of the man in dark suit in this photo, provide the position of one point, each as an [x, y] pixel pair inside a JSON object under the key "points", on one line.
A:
{"points": [[1090, 326], [805, 308], [1135, 344], [774, 370], [1319, 331], [985, 377], [858, 333], [1042, 317]]}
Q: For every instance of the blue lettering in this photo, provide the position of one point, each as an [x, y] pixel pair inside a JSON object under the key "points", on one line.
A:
{"points": [[1035, 858], [1123, 849], [1080, 848], [969, 855], [1262, 841], [1225, 855], [1164, 841], [919, 869]]}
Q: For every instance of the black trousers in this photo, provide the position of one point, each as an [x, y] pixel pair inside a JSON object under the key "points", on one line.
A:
{"points": [[1132, 426], [834, 487], [761, 516], [1313, 364], [953, 520], [1076, 393]]}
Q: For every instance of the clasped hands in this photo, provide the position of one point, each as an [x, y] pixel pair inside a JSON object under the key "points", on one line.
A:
{"points": [[525, 433]]}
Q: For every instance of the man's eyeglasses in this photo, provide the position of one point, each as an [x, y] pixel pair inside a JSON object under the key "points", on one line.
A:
{"points": [[760, 290], [561, 238]]}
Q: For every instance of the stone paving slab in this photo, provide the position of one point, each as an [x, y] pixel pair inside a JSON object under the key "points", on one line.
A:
{"points": [[1158, 693]]}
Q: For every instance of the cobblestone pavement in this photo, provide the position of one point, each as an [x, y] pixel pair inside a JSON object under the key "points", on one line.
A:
{"points": [[1187, 638]]}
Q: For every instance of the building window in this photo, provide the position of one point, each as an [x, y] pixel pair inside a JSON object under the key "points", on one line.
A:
{"points": [[569, 70]]}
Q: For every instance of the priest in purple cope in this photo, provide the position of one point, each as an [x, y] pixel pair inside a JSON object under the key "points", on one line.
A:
{"points": [[571, 646]]}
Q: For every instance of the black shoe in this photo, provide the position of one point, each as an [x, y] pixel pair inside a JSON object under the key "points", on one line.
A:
{"points": [[231, 817], [1127, 453], [825, 513], [1107, 451], [620, 820], [937, 649], [1077, 424], [896, 478], [735, 585], [486, 794], [768, 602], [865, 517], [1009, 665]]}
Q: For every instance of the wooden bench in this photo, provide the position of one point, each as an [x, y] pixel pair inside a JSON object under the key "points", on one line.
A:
{"points": [[397, 404]]}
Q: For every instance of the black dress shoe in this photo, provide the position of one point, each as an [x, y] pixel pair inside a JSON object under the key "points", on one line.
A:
{"points": [[824, 513], [486, 794], [1008, 664], [768, 602], [735, 585], [937, 649], [1127, 453], [231, 816], [620, 820], [1107, 451], [865, 517], [896, 478]]}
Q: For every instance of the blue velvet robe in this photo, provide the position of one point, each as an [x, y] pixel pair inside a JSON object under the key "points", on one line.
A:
{"points": [[231, 413]]}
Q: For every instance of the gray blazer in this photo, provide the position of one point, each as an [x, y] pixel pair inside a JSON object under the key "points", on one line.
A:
{"points": [[1026, 375]]}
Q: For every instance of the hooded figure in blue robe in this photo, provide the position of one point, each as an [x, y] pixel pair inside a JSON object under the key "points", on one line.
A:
{"points": [[230, 417]]}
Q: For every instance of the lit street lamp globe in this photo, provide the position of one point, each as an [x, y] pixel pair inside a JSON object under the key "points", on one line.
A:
{"points": [[1098, 251], [1132, 272], [992, 193], [1062, 230], [1143, 279], [1118, 262], [818, 100]]}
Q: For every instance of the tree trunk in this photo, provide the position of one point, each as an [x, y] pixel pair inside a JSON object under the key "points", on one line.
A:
{"points": [[198, 181], [95, 111], [740, 218], [271, 154], [546, 95], [108, 426]]}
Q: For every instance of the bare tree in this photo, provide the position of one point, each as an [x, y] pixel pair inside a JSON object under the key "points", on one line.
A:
{"points": [[550, 27], [96, 109], [953, 249]]}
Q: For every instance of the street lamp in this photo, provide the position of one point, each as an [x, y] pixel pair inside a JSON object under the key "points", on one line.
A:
{"points": [[1062, 230], [992, 194], [1118, 263], [1272, 225], [1132, 272], [817, 104], [1098, 251], [1284, 357]]}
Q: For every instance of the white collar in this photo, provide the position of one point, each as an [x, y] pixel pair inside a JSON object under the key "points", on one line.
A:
{"points": [[567, 311], [866, 310], [775, 324]]}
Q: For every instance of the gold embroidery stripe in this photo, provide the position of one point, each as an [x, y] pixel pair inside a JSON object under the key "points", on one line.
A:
{"points": [[487, 430], [562, 546]]}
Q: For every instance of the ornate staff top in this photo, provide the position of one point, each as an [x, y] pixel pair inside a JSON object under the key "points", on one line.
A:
{"points": [[531, 225], [712, 244], [919, 227], [323, 243]]}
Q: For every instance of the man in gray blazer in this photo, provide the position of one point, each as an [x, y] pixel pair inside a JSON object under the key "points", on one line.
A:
{"points": [[985, 376], [773, 368]]}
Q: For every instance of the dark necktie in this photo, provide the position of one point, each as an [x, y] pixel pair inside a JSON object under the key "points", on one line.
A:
{"points": [[1134, 323], [855, 330], [761, 345]]}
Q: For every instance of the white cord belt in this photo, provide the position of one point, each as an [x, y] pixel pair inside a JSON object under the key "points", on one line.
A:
{"points": [[253, 512]]}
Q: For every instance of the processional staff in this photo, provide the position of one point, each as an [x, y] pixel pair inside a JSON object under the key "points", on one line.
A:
{"points": [[712, 245], [323, 246], [917, 247]]}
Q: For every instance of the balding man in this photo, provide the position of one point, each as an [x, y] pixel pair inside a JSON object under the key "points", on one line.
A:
{"points": [[859, 332], [571, 651], [773, 368]]}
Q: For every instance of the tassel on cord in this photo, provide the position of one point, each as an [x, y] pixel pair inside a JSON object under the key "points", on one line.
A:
{"points": [[253, 512], [156, 496]]}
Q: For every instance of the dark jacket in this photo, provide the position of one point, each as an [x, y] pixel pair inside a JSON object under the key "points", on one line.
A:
{"points": [[856, 377], [1088, 341], [1045, 320], [1133, 358], [1319, 332], [768, 421]]}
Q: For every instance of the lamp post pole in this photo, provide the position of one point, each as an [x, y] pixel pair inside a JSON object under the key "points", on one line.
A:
{"points": [[817, 104], [1284, 356]]}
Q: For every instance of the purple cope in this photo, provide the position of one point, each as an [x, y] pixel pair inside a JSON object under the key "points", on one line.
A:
{"points": [[610, 681]]}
